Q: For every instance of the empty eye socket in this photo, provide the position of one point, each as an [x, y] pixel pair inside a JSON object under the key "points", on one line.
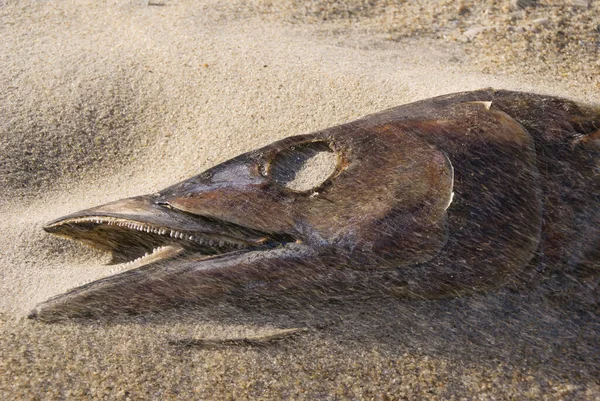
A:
{"points": [[303, 167]]}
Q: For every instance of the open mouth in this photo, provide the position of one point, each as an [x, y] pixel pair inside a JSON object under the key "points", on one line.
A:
{"points": [[135, 243], [161, 257]]}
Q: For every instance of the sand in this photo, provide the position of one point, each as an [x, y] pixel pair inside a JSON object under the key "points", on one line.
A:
{"points": [[102, 101]]}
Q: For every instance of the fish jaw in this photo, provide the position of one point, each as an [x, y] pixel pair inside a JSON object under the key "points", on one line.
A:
{"points": [[173, 282], [133, 227], [153, 247]]}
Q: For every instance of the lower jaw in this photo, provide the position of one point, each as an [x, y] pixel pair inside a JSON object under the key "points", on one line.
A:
{"points": [[162, 253], [185, 278]]}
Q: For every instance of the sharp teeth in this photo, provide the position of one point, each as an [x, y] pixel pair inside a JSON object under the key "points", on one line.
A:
{"points": [[200, 239]]}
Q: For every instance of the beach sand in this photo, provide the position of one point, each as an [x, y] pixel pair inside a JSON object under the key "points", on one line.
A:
{"points": [[101, 101]]}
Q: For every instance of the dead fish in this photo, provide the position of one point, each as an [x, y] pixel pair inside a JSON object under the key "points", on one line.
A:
{"points": [[442, 197]]}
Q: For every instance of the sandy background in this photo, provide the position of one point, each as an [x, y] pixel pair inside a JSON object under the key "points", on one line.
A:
{"points": [[100, 101]]}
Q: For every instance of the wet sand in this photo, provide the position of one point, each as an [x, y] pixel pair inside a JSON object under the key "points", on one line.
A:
{"points": [[104, 101]]}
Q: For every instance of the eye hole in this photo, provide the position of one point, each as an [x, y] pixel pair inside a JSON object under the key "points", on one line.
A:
{"points": [[303, 167]]}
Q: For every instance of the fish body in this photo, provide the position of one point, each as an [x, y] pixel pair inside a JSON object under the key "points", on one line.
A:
{"points": [[442, 197]]}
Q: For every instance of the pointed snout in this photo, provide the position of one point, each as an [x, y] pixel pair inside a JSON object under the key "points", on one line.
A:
{"points": [[139, 208]]}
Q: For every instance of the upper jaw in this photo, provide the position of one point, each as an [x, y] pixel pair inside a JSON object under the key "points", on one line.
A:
{"points": [[150, 214], [137, 227]]}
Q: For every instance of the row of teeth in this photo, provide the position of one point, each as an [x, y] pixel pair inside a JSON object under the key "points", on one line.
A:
{"points": [[124, 266], [166, 231], [132, 263], [149, 229]]}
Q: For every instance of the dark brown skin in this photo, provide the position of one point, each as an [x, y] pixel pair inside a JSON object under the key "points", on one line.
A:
{"points": [[442, 197]]}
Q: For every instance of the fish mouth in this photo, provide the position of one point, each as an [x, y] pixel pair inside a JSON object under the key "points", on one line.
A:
{"points": [[149, 233]]}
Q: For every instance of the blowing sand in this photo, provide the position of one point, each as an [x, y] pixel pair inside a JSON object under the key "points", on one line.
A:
{"points": [[103, 101]]}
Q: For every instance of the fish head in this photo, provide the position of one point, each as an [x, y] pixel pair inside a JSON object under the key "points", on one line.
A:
{"points": [[347, 198]]}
